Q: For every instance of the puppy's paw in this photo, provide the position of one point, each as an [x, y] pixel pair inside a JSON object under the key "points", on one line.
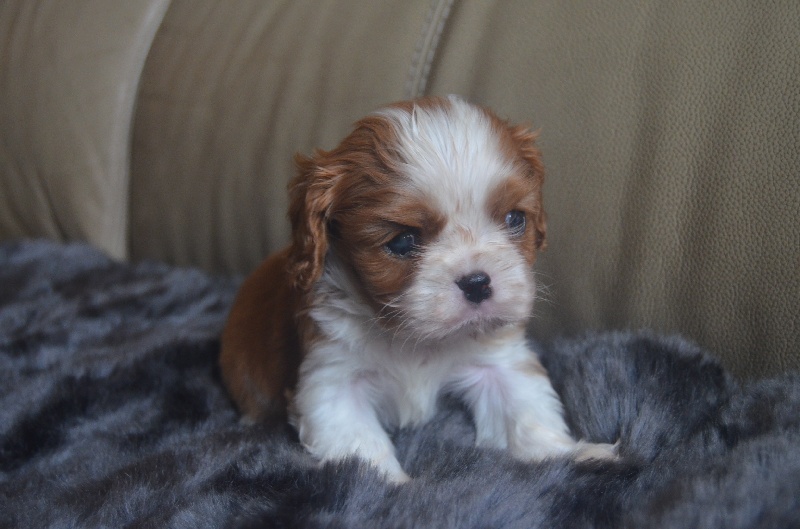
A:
{"points": [[597, 451], [397, 478], [390, 467]]}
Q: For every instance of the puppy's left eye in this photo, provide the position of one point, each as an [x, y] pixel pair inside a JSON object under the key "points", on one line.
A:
{"points": [[515, 222]]}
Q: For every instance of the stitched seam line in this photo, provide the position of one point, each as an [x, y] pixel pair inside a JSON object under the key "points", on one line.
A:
{"points": [[425, 50]]}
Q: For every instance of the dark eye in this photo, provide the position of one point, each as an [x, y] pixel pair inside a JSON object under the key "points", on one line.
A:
{"points": [[403, 244], [515, 221]]}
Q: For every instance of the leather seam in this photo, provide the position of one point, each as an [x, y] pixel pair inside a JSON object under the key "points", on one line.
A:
{"points": [[427, 45]]}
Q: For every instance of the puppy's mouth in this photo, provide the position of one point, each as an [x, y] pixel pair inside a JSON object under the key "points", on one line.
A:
{"points": [[476, 320], [468, 320]]}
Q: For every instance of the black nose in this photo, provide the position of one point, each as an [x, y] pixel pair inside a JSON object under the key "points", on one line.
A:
{"points": [[475, 286]]}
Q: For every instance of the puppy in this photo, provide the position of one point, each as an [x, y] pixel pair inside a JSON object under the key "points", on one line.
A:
{"points": [[409, 275]]}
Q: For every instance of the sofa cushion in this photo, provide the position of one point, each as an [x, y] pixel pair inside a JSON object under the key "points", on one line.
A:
{"points": [[68, 81]]}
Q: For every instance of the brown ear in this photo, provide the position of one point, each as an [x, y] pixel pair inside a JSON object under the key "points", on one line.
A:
{"points": [[526, 142], [310, 200]]}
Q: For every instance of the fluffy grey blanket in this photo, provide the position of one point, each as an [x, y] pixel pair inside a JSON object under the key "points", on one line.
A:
{"points": [[112, 415]]}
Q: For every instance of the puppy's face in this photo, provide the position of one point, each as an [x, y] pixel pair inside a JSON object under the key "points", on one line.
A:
{"points": [[434, 209]]}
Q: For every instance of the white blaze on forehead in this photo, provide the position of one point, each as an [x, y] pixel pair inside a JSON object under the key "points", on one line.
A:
{"points": [[450, 153]]}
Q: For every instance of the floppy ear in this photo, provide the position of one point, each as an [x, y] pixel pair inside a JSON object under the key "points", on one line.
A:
{"points": [[526, 141], [310, 200]]}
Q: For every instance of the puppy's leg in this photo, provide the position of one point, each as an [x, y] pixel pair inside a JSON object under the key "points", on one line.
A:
{"points": [[535, 420], [515, 407], [336, 419]]}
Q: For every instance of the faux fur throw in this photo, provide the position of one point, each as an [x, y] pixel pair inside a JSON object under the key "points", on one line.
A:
{"points": [[112, 414]]}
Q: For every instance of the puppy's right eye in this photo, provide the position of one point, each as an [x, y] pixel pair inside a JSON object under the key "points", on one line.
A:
{"points": [[403, 244]]}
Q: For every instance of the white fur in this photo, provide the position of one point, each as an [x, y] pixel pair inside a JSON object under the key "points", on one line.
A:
{"points": [[361, 378]]}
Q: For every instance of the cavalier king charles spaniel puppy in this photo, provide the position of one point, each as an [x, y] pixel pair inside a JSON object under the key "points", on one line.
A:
{"points": [[409, 276]]}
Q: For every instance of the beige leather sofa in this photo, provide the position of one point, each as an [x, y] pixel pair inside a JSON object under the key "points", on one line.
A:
{"points": [[671, 133]]}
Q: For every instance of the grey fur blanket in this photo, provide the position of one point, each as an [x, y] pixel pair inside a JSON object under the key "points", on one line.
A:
{"points": [[112, 415]]}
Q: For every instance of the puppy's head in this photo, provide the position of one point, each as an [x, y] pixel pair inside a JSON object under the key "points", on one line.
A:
{"points": [[434, 208]]}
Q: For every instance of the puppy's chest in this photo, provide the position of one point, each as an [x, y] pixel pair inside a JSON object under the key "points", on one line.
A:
{"points": [[409, 391]]}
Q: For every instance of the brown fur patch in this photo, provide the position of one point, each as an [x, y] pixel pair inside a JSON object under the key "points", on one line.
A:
{"points": [[355, 200], [518, 193], [261, 350], [518, 144], [361, 162], [362, 232]]}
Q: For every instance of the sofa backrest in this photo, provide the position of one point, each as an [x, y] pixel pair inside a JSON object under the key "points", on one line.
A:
{"points": [[670, 133]]}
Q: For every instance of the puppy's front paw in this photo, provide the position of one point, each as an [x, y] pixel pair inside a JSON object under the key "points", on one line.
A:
{"points": [[396, 478], [376, 451], [390, 467], [598, 451]]}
